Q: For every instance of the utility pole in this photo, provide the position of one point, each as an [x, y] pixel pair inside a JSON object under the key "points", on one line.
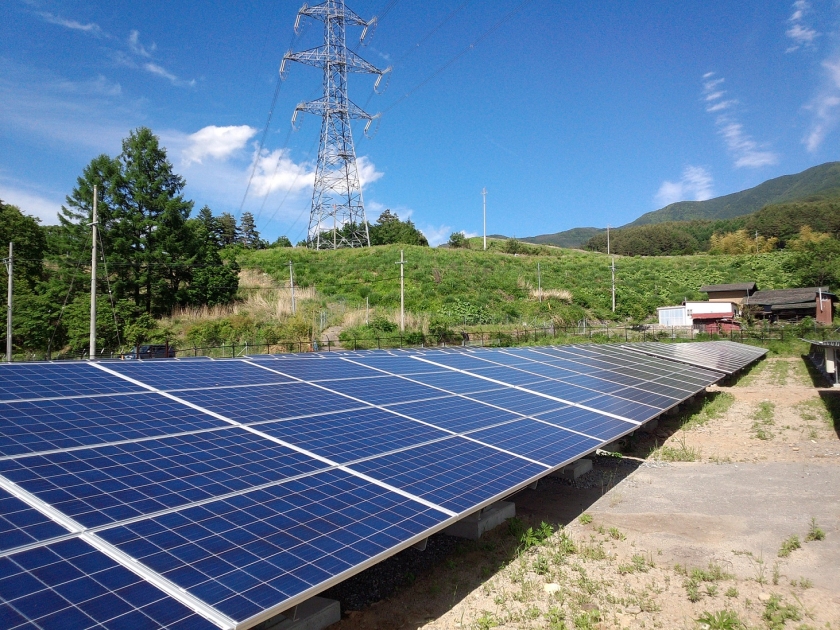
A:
{"points": [[612, 268], [401, 263], [292, 284], [337, 191], [756, 242], [539, 282], [484, 195], [367, 310], [92, 353], [9, 269]]}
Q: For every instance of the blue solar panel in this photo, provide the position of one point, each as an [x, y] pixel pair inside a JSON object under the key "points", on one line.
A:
{"points": [[252, 552], [588, 422], [174, 375], [544, 443], [114, 483], [454, 413], [456, 473], [252, 527], [382, 389], [352, 435], [51, 380], [22, 525], [70, 584], [270, 402], [27, 427], [456, 382]]}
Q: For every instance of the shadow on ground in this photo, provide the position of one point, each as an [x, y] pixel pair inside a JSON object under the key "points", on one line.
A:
{"points": [[555, 501]]}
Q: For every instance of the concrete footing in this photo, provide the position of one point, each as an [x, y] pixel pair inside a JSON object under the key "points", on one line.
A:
{"points": [[650, 426], [612, 447], [314, 614], [574, 470], [474, 525]]}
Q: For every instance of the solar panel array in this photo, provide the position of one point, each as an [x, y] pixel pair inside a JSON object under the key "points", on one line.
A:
{"points": [[192, 494]]}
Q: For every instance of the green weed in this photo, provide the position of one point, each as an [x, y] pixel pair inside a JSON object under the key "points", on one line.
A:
{"points": [[789, 545], [814, 532], [585, 518], [721, 620], [776, 613], [763, 418]]}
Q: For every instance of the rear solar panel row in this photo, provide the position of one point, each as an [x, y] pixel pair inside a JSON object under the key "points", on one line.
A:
{"points": [[241, 487]]}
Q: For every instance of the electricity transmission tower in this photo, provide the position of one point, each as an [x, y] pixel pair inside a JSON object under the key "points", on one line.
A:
{"points": [[337, 218]]}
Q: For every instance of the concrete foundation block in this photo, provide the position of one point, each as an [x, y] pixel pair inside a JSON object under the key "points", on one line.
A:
{"points": [[574, 470], [650, 426], [315, 613], [474, 525], [612, 447]]}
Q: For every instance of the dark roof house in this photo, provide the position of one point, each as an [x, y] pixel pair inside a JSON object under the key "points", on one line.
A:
{"points": [[817, 302], [736, 292]]}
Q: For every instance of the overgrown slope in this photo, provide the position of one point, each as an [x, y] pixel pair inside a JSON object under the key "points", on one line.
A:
{"points": [[495, 287]]}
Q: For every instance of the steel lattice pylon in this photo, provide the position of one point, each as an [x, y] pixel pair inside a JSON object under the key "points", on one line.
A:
{"points": [[337, 218]]}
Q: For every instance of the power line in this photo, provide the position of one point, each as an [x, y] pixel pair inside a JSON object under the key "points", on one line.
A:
{"points": [[458, 55]]}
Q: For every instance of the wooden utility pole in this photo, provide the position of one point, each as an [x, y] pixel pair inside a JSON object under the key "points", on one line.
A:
{"points": [[539, 282], [612, 268], [92, 353], [9, 270]]}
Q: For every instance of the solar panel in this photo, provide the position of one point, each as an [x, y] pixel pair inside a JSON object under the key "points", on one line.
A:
{"points": [[180, 493], [721, 356]]}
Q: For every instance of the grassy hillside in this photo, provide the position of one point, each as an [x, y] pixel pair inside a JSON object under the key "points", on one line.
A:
{"points": [[573, 238], [812, 181], [494, 288]]}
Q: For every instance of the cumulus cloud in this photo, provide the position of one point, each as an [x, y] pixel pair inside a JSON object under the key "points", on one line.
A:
{"points": [[91, 28], [825, 106], [695, 185], [746, 151], [367, 171], [276, 171], [31, 203], [799, 32], [216, 142]]}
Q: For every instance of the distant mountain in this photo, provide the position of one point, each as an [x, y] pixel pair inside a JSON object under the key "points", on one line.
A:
{"points": [[570, 238], [817, 180]]}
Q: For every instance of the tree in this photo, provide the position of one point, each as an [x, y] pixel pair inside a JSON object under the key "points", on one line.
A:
{"points": [[458, 240], [228, 230], [282, 241], [389, 230], [816, 263], [249, 236]]}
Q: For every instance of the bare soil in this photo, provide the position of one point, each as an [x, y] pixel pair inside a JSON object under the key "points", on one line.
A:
{"points": [[689, 521]]}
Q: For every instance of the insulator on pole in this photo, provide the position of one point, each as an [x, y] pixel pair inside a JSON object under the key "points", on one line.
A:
{"points": [[386, 73]]}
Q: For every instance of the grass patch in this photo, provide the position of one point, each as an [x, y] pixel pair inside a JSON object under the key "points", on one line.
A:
{"points": [[779, 372], [532, 537], [680, 452], [721, 620], [713, 406], [776, 613], [789, 545], [814, 532], [762, 419], [585, 518]]}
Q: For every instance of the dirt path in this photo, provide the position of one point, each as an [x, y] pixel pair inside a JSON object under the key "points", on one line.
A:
{"points": [[696, 519]]}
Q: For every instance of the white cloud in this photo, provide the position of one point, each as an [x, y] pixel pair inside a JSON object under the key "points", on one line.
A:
{"points": [[159, 71], [825, 106], [695, 185], [367, 171], [436, 234], [746, 151], [800, 33], [137, 48], [216, 142], [276, 171], [90, 28], [31, 203]]}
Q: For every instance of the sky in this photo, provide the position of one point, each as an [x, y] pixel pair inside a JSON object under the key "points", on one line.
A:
{"points": [[570, 114]]}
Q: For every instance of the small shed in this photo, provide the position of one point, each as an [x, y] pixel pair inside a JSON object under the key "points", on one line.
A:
{"points": [[671, 316], [736, 292], [825, 356]]}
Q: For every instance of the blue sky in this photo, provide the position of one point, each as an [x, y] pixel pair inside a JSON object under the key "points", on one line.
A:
{"points": [[570, 114]]}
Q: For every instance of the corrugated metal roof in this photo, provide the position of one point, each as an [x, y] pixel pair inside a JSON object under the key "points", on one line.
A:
{"points": [[788, 296], [738, 286]]}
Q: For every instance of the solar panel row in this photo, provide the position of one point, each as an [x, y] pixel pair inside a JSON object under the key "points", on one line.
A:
{"points": [[230, 490]]}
